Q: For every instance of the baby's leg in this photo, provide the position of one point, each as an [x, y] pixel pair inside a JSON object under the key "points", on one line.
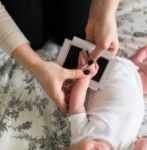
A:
{"points": [[139, 58], [141, 144]]}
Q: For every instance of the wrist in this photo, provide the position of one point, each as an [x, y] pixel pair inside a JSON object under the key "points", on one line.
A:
{"points": [[104, 17], [26, 57], [103, 8], [76, 110]]}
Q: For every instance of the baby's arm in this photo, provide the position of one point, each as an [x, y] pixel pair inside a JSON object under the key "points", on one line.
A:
{"points": [[77, 96], [78, 91]]}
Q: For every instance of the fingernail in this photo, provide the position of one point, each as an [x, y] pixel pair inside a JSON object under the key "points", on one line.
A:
{"points": [[90, 62], [86, 72]]}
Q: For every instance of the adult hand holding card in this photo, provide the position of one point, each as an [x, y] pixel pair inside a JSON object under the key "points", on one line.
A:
{"points": [[68, 58]]}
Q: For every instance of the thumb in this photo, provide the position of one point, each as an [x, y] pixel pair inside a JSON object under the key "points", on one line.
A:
{"points": [[77, 73], [96, 53]]}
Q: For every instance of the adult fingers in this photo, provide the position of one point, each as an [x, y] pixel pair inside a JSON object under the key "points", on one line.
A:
{"points": [[114, 47], [85, 55], [81, 60], [76, 73], [96, 66], [95, 54]]}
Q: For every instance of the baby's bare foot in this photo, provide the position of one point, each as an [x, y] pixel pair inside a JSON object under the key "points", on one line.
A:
{"points": [[140, 58]]}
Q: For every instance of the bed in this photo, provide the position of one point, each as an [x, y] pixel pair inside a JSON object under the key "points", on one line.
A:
{"points": [[29, 119]]}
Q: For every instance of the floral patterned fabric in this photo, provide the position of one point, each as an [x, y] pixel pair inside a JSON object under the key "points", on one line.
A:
{"points": [[29, 119], [131, 19]]}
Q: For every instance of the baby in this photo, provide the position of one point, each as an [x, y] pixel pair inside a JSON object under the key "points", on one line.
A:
{"points": [[114, 115]]}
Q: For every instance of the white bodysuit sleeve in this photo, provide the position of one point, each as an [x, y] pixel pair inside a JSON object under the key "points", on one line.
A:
{"points": [[10, 34], [79, 123]]}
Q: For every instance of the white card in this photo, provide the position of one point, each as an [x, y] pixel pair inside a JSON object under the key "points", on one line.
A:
{"points": [[68, 58]]}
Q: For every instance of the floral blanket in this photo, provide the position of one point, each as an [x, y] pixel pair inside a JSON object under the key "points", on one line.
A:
{"points": [[29, 119]]}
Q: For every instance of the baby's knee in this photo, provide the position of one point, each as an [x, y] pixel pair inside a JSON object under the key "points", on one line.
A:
{"points": [[141, 144]]}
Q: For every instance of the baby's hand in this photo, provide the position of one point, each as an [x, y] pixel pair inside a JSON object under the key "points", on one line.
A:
{"points": [[83, 61]]}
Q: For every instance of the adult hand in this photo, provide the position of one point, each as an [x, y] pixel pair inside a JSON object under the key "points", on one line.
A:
{"points": [[103, 33], [50, 75], [52, 78], [82, 63]]}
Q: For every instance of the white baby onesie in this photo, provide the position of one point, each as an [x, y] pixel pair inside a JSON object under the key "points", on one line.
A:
{"points": [[114, 115]]}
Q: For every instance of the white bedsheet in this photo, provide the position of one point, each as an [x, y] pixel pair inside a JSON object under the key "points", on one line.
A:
{"points": [[29, 119]]}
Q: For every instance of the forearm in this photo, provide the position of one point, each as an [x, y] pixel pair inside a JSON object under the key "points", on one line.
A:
{"points": [[77, 97], [26, 57], [16, 45], [10, 34], [103, 8]]}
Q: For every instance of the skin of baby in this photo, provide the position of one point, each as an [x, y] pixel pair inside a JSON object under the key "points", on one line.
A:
{"points": [[138, 59], [141, 144], [90, 145], [144, 81]]}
